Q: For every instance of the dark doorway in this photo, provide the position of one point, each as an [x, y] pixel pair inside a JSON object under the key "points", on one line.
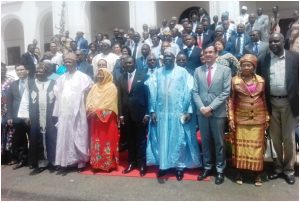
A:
{"points": [[284, 25], [189, 11], [46, 47], [13, 55]]}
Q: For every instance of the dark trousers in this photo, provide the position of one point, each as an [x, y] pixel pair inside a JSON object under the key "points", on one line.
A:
{"points": [[137, 142], [19, 142], [37, 150]]}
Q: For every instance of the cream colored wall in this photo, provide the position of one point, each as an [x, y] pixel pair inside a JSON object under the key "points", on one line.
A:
{"points": [[286, 8]]}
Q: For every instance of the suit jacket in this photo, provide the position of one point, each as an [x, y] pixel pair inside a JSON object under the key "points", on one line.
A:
{"points": [[291, 78], [232, 44], [247, 108], [135, 102], [82, 44], [208, 37], [194, 59], [263, 24], [179, 42], [255, 26], [262, 49], [141, 63], [28, 62], [86, 68], [214, 96], [14, 100]]}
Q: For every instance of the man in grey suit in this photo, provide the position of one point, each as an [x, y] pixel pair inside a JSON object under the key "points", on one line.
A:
{"points": [[211, 89], [256, 47], [263, 22]]}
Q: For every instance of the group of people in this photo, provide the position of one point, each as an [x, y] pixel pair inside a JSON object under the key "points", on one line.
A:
{"points": [[150, 96]]}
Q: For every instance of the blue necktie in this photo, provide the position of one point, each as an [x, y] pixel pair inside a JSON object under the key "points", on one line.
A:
{"points": [[22, 87], [256, 48], [238, 44]]}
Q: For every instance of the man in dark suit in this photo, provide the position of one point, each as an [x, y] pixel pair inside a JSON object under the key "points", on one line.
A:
{"points": [[15, 93], [208, 35], [83, 65], [237, 42], [256, 47], [133, 110], [30, 60], [192, 52], [280, 69]]}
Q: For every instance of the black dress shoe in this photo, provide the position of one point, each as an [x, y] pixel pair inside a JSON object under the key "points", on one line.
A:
{"points": [[273, 176], [37, 171], [290, 179], [130, 167], [179, 175], [19, 165], [219, 178], [204, 175], [31, 167], [161, 173], [143, 170]]}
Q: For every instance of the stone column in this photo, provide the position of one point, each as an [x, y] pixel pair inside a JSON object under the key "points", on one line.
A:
{"points": [[142, 12], [29, 20], [76, 15]]}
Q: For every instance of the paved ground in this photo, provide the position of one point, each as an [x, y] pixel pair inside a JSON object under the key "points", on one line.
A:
{"points": [[19, 185]]}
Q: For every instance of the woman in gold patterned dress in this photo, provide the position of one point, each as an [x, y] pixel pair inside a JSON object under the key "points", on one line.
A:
{"points": [[248, 119], [102, 110]]}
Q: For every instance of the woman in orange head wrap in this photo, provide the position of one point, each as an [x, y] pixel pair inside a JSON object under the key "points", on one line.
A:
{"points": [[248, 119]]}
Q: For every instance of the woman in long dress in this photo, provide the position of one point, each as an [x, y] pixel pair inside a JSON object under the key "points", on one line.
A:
{"points": [[248, 119], [102, 110]]}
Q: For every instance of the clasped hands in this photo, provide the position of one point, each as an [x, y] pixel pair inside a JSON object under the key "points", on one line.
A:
{"points": [[206, 111]]}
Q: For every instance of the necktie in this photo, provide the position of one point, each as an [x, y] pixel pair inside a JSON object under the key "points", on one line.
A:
{"points": [[199, 41], [189, 52], [256, 48], [129, 81], [209, 77], [238, 45], [22, 87], [134, 51], [225, 36]]}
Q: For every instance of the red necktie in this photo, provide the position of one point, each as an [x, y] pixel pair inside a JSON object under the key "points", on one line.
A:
{"points": [[199, 42], [209, 76]]}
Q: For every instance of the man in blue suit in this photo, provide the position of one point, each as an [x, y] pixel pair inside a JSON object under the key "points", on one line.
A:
{"points": [[211, 89], [237, 42], [83, 65], [82, 43], [141, 62]]}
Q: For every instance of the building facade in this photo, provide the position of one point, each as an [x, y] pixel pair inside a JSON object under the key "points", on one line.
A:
{"points": [[23, 21]]}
